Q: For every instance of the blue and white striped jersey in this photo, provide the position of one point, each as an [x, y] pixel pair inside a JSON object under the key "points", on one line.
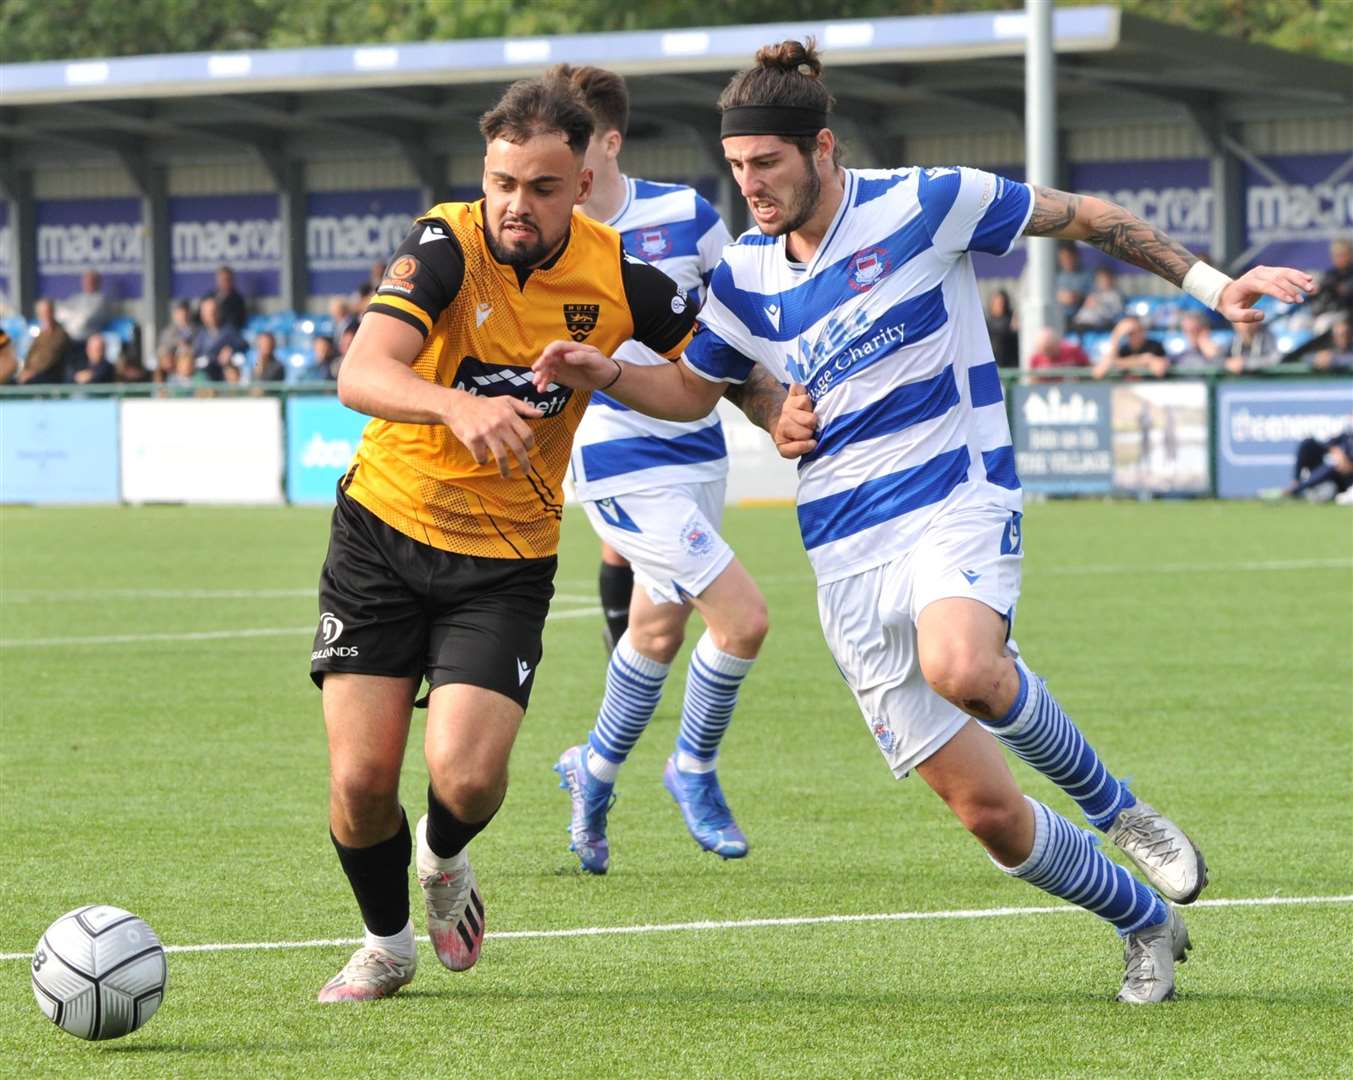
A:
{"points": [[885, 328], [616, 449]]}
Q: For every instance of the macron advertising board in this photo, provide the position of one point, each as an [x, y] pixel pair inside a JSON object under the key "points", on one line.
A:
{"points": [[347, 231], [1062, 438], [1261, 421], [243, 232], [75, 235], [322, 436], [58, 452], [202, 451]]}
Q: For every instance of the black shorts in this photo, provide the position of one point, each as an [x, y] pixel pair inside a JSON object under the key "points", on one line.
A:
{"points": [[390, 605]]}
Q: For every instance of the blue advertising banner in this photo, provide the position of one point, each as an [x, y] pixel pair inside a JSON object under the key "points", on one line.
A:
{"points": [[1292, 223], [75, 235], [347, 231], [6, 297], [322, 436], [1261, 421], [1063, 443], [59, 452], [243, 232]]}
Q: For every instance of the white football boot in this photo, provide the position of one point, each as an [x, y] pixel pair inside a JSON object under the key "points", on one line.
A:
{"points": [[371, 973], [454, 906], [1151, 955], [1161, 850]]}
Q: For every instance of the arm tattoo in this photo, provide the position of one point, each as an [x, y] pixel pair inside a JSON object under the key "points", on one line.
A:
{"points": [[1112, 229], [760, 397], [1053, 211]]}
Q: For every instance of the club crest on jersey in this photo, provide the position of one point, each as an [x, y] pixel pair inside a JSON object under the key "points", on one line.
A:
{"points": [[883, 735], [654, 244], [868, 268], [581, 319]]}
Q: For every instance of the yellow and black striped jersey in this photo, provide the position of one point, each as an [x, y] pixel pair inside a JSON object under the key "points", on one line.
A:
{"points": [[485, 323]]}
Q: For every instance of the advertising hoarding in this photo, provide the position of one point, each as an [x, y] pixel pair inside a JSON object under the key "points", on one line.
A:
{"points": [[58, 452]]}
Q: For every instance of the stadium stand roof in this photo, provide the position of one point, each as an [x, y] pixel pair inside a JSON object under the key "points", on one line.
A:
{"points": [[893, 77]]}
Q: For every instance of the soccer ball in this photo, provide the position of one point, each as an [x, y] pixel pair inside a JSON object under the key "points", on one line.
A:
{"points": [[99, 972]]}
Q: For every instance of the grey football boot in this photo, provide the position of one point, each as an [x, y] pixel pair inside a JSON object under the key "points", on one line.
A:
{"points": [[1161, 850], [1151, 955]]}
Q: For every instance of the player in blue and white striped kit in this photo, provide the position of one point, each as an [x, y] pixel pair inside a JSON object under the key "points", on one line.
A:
{"points": [[654, 492], [857, 288]]}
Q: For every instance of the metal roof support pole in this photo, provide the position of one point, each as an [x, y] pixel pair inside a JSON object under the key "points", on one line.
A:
{"points": [[16, 186], [1039, 308], [294, 283], [156, 251], [1228, 205]]}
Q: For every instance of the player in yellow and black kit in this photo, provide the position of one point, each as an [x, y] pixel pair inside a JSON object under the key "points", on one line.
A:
{"points": [[442, 552]]}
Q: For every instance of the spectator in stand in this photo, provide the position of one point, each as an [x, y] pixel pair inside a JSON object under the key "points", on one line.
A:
{"points": [[129, 369], [1252, 348], [267, 367], [46, 359], [164, 363], [179, 328], [226, 358], [1333, 299], [1104, 306], [1003, 330], [186, 372], [1200, 350], [230, 310], [361, 299], [9, 359], [345, 342], [1130, 350], [326, 361], [213, 337], [98, 368], [377, 275], [232, 374], [340, 311], [1051, 351], [1339, 356], [1072, 282], [86, 311]]}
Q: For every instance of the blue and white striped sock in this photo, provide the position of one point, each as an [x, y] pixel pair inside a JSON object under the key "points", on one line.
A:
{"points": [[1042, 735], [712, 686], [633, 689], [1066, 863]]}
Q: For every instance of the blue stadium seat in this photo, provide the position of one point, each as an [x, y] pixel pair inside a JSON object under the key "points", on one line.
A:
{"points": [[1289, 341], [1093, 344], [298, 363], [18, 329], [123, 326], [1175, 343], [1142, 306]]}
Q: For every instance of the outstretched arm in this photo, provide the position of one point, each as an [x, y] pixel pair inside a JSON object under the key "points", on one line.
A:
{"points": [[667, 391], [1107, 226]]}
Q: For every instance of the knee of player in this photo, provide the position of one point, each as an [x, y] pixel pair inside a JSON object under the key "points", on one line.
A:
{"points": [[659, 645], [366, 788], [994, 822], [468, 795], [962, 672], [744, 634]]}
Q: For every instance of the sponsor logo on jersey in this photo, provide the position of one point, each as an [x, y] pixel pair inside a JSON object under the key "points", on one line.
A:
{"points": [[476, 376], [523, 671], [868, 268], [883, 735], [330, 630], [481, 312], [581, 319], [696, 539], [399, 276], [654, 244], [679, 302]]}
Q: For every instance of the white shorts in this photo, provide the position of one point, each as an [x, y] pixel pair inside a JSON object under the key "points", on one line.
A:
{"points": [[670, 535], [869, 620]]}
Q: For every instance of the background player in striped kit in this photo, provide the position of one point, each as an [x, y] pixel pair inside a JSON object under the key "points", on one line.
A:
{"points": [[857, 286], [654, 492]]}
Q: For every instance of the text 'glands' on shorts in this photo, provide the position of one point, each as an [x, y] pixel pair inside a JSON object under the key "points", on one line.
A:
{"points": [[390, 605]]}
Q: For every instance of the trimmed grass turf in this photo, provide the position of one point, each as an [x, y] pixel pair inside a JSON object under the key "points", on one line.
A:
{"points": [[186, 781]]}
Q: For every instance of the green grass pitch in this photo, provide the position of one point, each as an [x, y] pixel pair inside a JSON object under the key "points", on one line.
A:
{"points": [[1206, 649]]}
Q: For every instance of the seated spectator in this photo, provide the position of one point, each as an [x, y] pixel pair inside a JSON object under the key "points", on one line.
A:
{"points": [[86, 311], [1200, 350], [1072, 282], [1339, 356], [186, 372], [9, 359], [213, 337], [1324, 468], [1129, 349], [180, 327], [1333, 298], [361, 299], [164, 363], [377, 275], [1104, 306], [46, 359], [230, 308], [345, 342], [267, 367], [341, 313], [232, 374], [1252, 348], [1002, 328], [1051, 351], [129, 368], [98, 368], [226, 357], [326, 363]]}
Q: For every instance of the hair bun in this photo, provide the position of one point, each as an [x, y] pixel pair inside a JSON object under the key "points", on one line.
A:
{"points": [[800, 57]]}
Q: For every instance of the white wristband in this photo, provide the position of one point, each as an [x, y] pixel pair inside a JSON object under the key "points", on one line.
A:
{"points": [[1205, 283]]}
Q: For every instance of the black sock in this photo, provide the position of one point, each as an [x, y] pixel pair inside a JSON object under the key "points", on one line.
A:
{"points": [[447, 835], [379, 876], [617, 583]]}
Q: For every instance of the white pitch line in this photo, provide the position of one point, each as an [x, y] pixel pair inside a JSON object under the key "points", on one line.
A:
{"points": [[1262, 566], [215, 635], [84, 596], [738, 924]]}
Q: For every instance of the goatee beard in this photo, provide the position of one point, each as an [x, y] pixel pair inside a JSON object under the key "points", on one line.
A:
{"points": [[521, 258]]}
